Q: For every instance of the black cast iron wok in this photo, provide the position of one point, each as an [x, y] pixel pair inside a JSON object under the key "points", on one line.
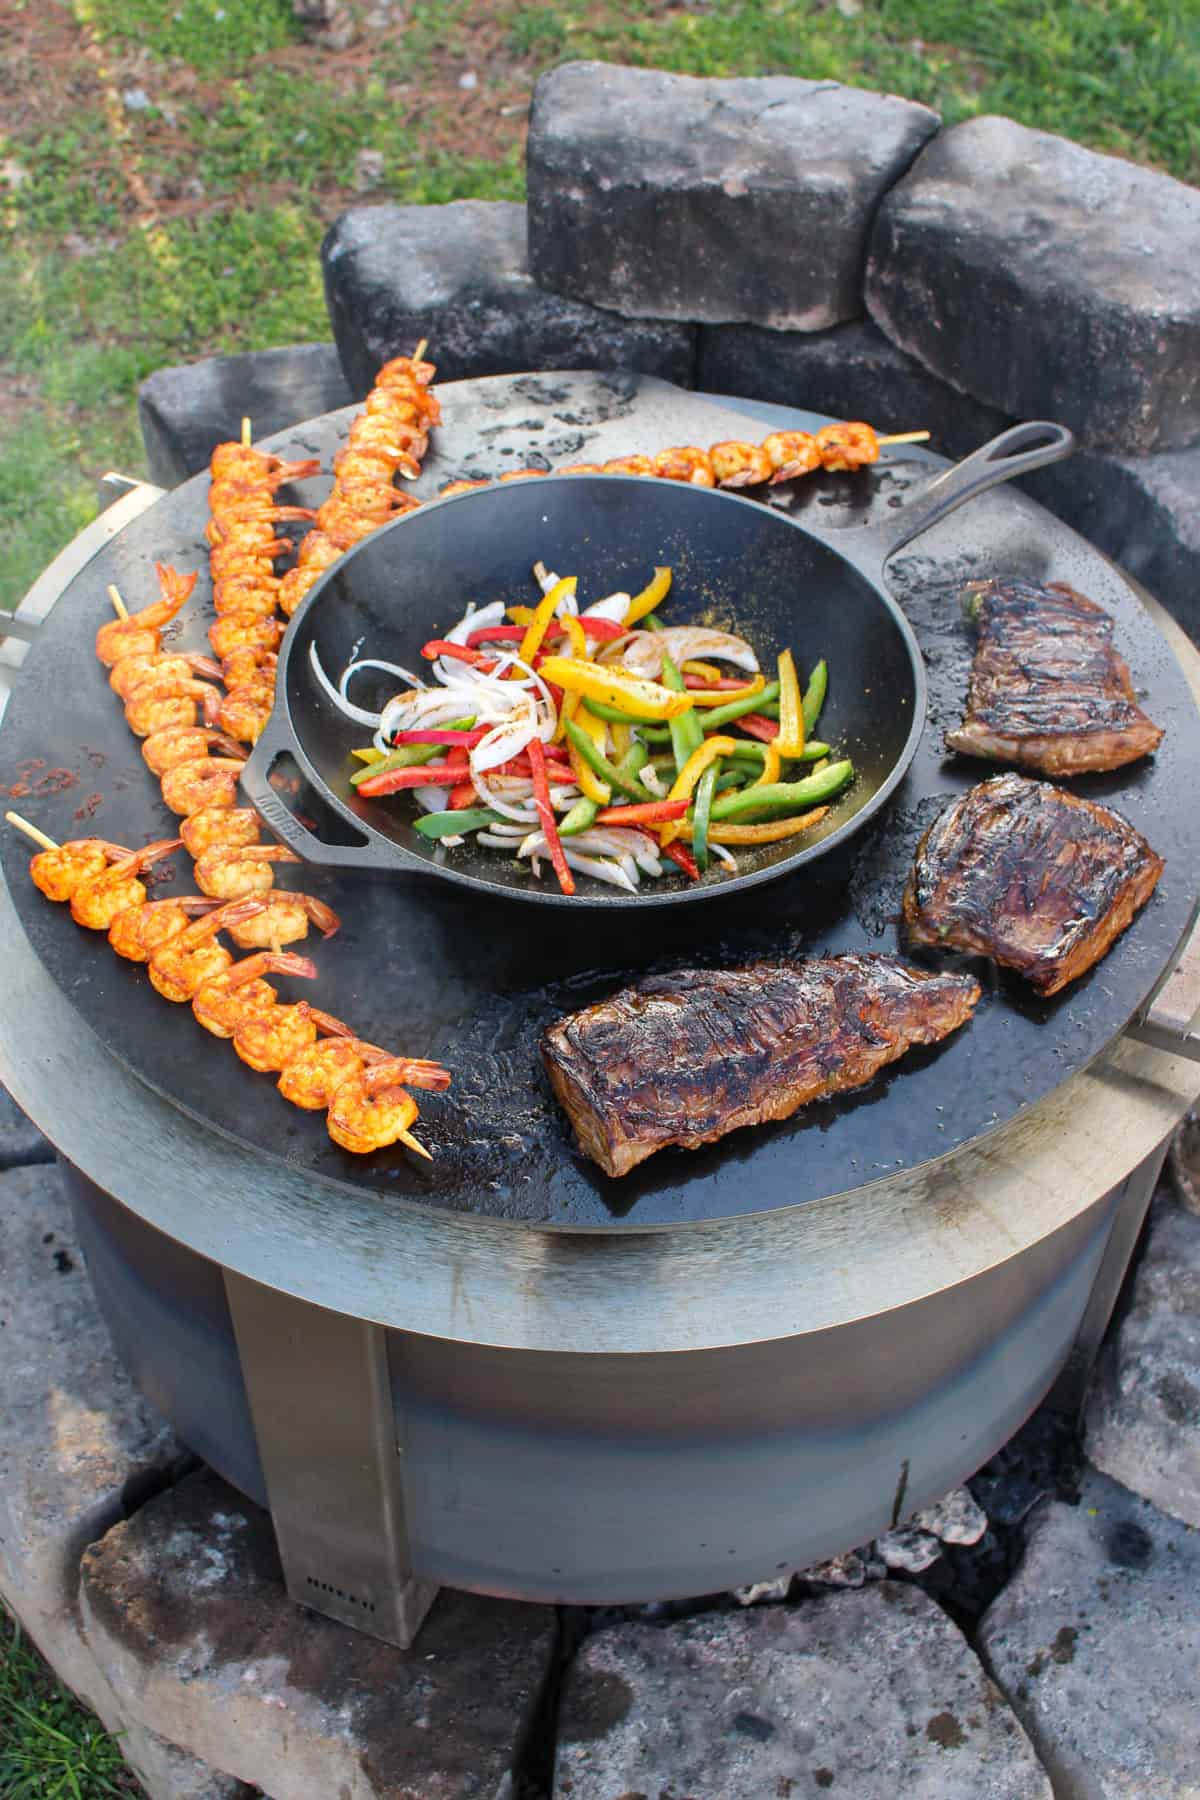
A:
{"points": [[737, 564]]}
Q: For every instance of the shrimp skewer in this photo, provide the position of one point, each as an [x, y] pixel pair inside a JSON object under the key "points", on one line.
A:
{"points": [[310, 1078], [208, 781], [212, 825], [58, 869], [155, 708], [374, 1109], [97, 901], [269, 1041], [137, 634], [176, 744], [140, 930], [129, 672], [228, 872], [192, 957], [239, 993], [284, 919]]}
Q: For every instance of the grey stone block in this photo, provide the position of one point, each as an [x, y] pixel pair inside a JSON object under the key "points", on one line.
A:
{"points": [[20, 1140], [850, 372], [459, 276], [1094, 1643], [1144, 511], [870, 1694], [75, 1436], [185, 1606], [670, 197], [186, 411], [1048, 281], [1143, 1410]]}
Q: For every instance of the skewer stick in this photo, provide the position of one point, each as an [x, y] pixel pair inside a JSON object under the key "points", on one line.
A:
{"points": [[420, 350], [31, 831], [247, 440], [118, 605], [406, 1137], [905, 437]]}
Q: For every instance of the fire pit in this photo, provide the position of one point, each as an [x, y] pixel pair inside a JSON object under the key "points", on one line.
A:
{"points": [[509, 1374]]}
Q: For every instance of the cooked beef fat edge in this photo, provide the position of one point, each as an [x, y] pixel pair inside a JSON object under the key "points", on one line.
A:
{"points": [[684, 1058]]}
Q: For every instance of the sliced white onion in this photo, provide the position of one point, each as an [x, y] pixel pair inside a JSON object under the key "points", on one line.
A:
{"points": [[613, 606], [358, 713], [369, 662], [504, 741], [522, 810], [494, 842], [545, 578], [653, 782], [431, 799], [720, 851], [644, 651], [474, 619], [622, 874]]}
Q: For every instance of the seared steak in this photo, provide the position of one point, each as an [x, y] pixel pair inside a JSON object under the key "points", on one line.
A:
{"points": [[1047, 690], [684, 1058], [1033, 877]]}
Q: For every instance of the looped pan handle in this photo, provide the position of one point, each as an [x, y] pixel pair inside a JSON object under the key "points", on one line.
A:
{"points": [[278, 740]]}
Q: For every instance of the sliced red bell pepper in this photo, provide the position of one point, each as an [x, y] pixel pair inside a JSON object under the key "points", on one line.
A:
{"points": [[679, 853], [496, 634], [454, 739], [724, 683], [653, 812], [441, 775], [760, 727], [462, 796], [603, 630], [541, 799], [457, 653]]}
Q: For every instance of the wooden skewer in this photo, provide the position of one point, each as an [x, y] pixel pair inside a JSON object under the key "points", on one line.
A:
{"points": [[420, 350], [118, 605], [247, 440], [31, 831], [905, 437], [406, 1137]]}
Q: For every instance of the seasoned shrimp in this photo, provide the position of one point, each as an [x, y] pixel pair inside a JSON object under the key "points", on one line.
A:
{"points": [[97, 902], [214, 825], [371, 1110], [792, 453], [209, 781], [850, 445], [311, 1078], [736, 464], [465, 487], [629, 465], [138, 634], [297, 582], [130, 672], [253, 513], [248, 665], [253, 596], [270, 1041], [57, 873], [154, 707], [244, 712], [180, 966], [239, 993], [685, 462], [163, 750], [140, 930], [237, 460], [284, 919], [228, 874], [241, 631]]}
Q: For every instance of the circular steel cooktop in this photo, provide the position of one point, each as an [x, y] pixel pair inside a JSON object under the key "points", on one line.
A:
{"points": [[434, 973]]}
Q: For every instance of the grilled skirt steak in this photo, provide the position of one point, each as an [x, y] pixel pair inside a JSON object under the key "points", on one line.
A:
{"points": [[1047, 690], [684, 1058], [1033, 877]]}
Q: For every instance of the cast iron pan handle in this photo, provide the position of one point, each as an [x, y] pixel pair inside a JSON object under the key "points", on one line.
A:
{"points": [[277, 740]]}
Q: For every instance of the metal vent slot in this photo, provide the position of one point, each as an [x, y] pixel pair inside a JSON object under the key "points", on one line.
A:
{"points": [[324, 1587]]}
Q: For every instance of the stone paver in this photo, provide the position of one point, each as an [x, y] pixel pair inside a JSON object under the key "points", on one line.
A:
{"points": [[670, 197], [1096, 1643], [20, 1140], [458, 275], [870, 1694], [184, 412], [1048, 281], [1143, 1411], [185, 1607]]}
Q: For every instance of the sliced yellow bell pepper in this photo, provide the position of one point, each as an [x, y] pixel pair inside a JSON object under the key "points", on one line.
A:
{"points": [[571, 702], [706, 671], [585, 775], [631, 694], [684, 785], [724, 696], [368, 756], [544, 612], [772, 767], [790, 741], [650, 596], [768, 833], [521, 615]]}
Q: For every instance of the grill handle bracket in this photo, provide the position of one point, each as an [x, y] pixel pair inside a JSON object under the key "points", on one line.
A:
{"points": [[1170, 1019]]}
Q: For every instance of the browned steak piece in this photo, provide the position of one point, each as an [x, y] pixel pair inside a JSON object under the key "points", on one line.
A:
{"points": [[1033, 877], [684, 1058], [1047, 690]]}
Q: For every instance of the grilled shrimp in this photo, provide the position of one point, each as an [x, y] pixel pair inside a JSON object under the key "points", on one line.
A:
{"points": [[310, 1078], [248, 664], [254, 595], [213, 825], [138, 634], [257, 513], [154, 707], [685, 462], [847, 446], [297, 582], [129, 672], [464, 487], [242, 631], [237, 461], [193, 956], [270, 1041], [57, 873], [737, 464], [627, 465], [140, 930], [792, 453], [209, 781], [162, 750], [239, 993], [97, 902], [228, 874], [371, 1110], [244, 712], [284, 920]]}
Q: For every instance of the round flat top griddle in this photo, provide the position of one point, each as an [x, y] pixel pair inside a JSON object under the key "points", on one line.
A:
{"points": [[431, 971]]}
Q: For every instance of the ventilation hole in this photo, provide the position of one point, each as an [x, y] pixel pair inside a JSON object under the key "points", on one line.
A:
{"points": [[324, 1587]]}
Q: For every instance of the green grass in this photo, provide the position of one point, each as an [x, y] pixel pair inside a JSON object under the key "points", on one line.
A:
{"points": [[50, 1748], [250, 146]]}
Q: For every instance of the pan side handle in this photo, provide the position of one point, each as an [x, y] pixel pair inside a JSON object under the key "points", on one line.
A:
{"points": [[255, 781]]}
